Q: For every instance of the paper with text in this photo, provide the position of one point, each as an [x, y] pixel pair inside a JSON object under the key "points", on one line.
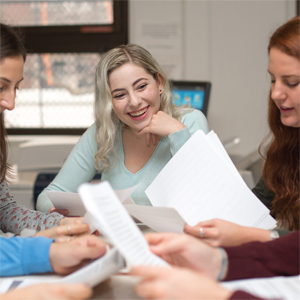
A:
{"points": [[98, 270], [201, 185], [102, 203]]}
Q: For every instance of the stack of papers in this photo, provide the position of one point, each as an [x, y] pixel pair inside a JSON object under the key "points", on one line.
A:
{"points": [[200, 183]]}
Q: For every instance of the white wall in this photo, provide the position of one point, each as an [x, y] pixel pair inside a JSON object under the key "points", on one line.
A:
{"points": [[224, 42]]}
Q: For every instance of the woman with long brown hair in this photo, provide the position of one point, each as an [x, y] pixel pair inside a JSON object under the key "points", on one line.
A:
{"points": [[278, 188], [14, 217]]}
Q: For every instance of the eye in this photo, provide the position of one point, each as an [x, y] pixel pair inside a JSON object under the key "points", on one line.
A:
{"points": [[118, 96], [292, 85], [272, 79], [142, 86]]}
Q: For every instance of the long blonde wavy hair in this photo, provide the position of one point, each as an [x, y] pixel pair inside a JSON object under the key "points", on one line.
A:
{"points": [[107, 123]]}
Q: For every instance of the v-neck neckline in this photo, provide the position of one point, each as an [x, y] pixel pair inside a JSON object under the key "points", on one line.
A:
{"points": [[123, 155]]}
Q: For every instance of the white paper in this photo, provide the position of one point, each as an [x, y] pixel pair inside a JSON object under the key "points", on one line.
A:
{"points": [[72, 201], [93, 224], [217, 146], [199, 183], [92, 274], [98, 270], [160, 219], [285, 288], [103, 204], [7, 284]]}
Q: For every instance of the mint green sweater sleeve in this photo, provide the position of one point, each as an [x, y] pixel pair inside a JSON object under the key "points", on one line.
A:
{"points": [[79, 167], [193, 122]]}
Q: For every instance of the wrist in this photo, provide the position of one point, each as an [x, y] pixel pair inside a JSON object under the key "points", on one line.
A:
{"points": [[52, 257], [256, 234], [223, 265], [216, 263]]}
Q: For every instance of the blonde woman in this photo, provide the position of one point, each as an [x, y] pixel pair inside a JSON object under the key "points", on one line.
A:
{"points": [[137, 127]]}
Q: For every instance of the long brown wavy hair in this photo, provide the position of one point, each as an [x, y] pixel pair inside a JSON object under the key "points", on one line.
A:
{"points": [[11, 45], [281, 168]]}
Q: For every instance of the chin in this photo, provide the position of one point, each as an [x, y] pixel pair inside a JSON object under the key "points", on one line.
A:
{"points": [[289, 123]]}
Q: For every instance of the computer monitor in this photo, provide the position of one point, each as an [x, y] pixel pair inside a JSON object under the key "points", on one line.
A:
{"points": [[195, 93]]}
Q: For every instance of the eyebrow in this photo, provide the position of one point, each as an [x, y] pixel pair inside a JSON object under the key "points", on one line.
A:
{"points": [[9, 81], [285, 76], [137, 81]]}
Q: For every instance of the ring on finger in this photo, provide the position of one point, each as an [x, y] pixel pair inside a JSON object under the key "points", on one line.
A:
{"points": [[69, 230], [201, 232]]}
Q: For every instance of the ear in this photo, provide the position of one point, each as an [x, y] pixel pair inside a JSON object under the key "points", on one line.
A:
{"points": [[160, 83]]}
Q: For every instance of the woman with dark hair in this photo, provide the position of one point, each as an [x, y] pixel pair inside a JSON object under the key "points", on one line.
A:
{"points": [[278, 188], [11, 46], [13, 217]]}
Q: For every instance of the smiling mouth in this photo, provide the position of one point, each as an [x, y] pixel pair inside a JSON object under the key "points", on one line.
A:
{"points": [[138, 113], [286, 108]]}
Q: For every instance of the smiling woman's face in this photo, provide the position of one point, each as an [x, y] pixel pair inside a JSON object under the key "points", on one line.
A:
{"points": [[136, 95], [11, 74], [285, 90]]}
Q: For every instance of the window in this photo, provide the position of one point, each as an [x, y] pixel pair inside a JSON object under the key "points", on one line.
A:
{"points": [[64, 40]]}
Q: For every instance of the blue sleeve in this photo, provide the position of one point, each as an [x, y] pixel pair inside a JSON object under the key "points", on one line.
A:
{"points": [[23, 256]]}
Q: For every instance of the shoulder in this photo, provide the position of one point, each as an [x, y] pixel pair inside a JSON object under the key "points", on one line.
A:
{"points": [[89, 134], [193, 114], [194, 119], [91, 130], [3, 188], [87, 141]]}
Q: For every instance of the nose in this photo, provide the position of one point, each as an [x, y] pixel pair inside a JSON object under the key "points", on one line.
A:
{"points": [[278, 91], [134, 100], [8, 101]]}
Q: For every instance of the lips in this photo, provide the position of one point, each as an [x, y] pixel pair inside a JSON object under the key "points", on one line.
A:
{"points": [[286, 109], [138, 113]]}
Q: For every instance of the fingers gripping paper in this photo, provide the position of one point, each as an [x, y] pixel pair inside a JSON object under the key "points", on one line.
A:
{"points": [[102, 203]]}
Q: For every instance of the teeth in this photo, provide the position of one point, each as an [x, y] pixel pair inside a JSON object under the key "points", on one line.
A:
{"points": [[138, 113]]}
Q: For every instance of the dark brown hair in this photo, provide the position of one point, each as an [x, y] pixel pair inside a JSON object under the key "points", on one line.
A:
{"points": [[11, 45], [281, 168]]}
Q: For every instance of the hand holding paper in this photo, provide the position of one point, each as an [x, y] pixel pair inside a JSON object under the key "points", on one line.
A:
{"points": [[102, 203]]}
